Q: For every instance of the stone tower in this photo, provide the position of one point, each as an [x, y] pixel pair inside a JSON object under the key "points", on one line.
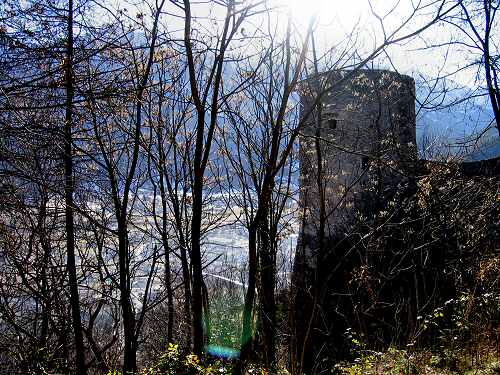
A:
{"points": [[364, 137], [357, 153]]}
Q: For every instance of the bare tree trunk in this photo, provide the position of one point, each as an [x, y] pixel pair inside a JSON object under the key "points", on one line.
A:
{"points": [[168, 281], [184, 261], [129, 320], [247, 332], [173, 194], [69, 203], [187, 290], [197, 301], [203, 145], [489, 13], [494, 96], [164, 231], [197, 277], [46, 300], [267, 290], [306, 350], [130, 347], [274, 164]]}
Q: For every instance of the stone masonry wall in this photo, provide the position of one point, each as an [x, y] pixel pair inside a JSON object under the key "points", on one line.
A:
{"points": [[367, 131]]}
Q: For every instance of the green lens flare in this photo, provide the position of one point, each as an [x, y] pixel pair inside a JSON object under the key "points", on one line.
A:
{"points": [[222, 352], [223, 323]]}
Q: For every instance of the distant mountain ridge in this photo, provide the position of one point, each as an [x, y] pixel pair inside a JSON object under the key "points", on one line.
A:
{"points": [[459, 127]]}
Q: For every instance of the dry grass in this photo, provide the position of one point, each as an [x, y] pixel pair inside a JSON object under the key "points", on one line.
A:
{"points": [[402, 362]]}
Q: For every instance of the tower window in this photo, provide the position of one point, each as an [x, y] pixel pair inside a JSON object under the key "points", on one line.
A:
{"points": [[332, 123], [364, 162]]}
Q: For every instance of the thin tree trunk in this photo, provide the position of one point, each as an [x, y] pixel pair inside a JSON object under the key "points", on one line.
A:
{"points": [[69, 204], [172, 191], [129, 350], [490, 83], [168, 284], [129, 321], [247, 332], [187, 291], [166, 248], [267, 290], [197, 277], [203, 144], [45, 292], [197, 301]]}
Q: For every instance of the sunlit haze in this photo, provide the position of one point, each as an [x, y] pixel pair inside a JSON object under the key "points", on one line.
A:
{"points": [[327, 10]]}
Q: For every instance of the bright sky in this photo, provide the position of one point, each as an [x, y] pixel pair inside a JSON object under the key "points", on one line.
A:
{"points": [[347, 12], [336, 20], [355, 24]]}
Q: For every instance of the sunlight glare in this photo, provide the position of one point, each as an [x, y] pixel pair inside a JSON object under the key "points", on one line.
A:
{"points": [[326, 11]]}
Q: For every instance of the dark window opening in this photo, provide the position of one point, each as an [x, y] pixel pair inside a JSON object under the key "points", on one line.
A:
{"points": [[364, 162], [332, 123]]}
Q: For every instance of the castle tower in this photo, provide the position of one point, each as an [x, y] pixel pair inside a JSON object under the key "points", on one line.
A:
{"points": [[364, 136], [357, 152]]}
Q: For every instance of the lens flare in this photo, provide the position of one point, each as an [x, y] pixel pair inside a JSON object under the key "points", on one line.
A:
{"points": [[222, 352]]}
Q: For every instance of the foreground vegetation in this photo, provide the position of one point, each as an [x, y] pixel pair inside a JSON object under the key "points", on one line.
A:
{"points": [[391, 362]]}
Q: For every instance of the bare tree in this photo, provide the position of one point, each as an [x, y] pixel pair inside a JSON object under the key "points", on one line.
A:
{"points": [[477, 26], [206, 96], [68, 196], [169, 154], [119, 159]]}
